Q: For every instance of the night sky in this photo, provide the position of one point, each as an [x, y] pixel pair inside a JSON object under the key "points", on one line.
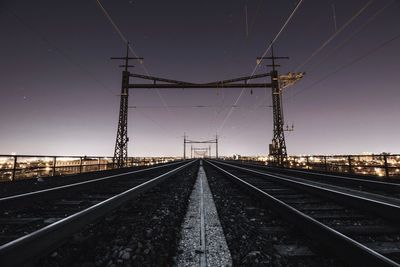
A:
{"points": [[59, 89]]}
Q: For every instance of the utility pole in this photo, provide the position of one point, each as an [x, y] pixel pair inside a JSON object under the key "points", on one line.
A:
{"points": [[184, 146], [277, 149], [216, 146], [121, 143]]}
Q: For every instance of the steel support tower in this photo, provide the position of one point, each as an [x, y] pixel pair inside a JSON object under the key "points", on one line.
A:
{"points": [[184, 146], [121, 144], [277, 148]]}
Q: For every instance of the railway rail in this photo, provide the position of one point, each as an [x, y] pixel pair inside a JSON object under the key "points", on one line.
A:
{"points": [[359, 230], [361, 184], [256, 234], [37, 222]]}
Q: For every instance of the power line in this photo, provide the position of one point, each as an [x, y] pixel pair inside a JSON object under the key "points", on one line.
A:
{"points": [[333, 36], [358, 30], [347, 40], [371, 51], [234, 42], [277, 35], [264, 54], [125, 40], [59, 51]]}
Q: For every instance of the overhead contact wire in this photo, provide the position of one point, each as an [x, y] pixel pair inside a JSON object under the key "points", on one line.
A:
{"points": [[125, 40], [333, 36], [299, 3], [369, 52]]}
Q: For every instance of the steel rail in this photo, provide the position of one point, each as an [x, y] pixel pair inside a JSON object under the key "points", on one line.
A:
{"points": [[340, 187], [25, 248], [352, 180], [351, 251], [386, 210], [341, 178], [26, 198], [341, 184]]}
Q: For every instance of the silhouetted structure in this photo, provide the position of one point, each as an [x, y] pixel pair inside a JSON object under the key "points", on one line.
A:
{"points": [[277, 148], [121, 143]]}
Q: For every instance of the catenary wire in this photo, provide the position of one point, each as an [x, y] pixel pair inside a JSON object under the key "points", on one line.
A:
{"points": [[277, 35], [125, 40], [62, 53], [259, 63], [354, 34], [333, 36], [369, 52]]}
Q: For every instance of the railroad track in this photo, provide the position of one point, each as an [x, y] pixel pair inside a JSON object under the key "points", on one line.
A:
{"points": [[257, 235], [358, 230], [38, 222], [390, 190], [40, 183]]}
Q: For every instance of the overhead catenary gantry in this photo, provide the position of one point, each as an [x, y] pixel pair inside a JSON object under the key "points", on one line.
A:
{"points": [[203, 152], [209, 142], [277, 147], [174, 84]]}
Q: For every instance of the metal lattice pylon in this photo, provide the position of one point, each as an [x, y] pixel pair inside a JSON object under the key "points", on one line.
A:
{"points": [[278, 146], [121, 143]]}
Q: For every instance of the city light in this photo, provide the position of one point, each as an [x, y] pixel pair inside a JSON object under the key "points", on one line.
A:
{"points": [[38, 166], [380, 165]]}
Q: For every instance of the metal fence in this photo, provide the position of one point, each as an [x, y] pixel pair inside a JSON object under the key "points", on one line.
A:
{"points": [[382, 165], [375, 165], [18, 167]]}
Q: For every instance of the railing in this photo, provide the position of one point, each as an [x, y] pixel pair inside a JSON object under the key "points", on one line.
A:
{"points": [[18, 167], [382, 165]]}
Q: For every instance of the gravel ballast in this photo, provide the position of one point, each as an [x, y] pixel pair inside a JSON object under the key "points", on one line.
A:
{"points": [[256, 236], [145, 232], [202, 217]]}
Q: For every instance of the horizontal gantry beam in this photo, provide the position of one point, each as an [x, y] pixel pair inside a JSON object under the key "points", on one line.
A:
{"points": [[198, 86], [246, 78], [201, 142], [157, 79], [175, 84]]}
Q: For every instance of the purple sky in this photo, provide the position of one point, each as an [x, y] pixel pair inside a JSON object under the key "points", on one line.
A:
{"points": [[59, 90]]}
